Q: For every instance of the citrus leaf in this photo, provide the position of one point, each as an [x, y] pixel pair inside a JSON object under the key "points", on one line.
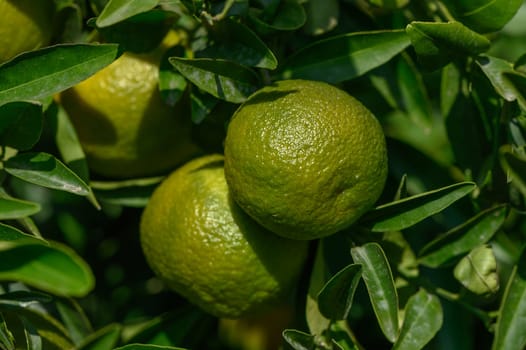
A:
{"points": [[509, 83], [322, 16], [422, 319], [342, 337], [289, 15], [515, 167], [33, 338], [237, 43], [53, 268], [335, 298], [20, 124], [463, 238], [10, 233], [45, 170], [172, 84], [484, 15], [398, 215], [23, 299], [103, 339], [509, 332], [6, 337], [317, 323], [436, 44], [380, 285], [477, 271], [223, 79], [14, 208], [202, 104], [147, 347], [41, 73], [345, 57], [298, 340], [118, 10], [74, 318]]}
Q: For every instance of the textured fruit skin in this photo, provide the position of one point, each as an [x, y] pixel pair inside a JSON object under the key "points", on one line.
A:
{"points": [[26, 25], [304, 158], [124, 126], [197, 240]]}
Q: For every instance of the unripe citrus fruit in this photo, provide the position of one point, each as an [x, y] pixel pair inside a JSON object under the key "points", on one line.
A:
{"points": [[26, 25], [124, 126], [203, 246], [304, 158]]}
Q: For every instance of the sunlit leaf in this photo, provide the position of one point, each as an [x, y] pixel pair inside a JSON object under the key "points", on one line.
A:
{"points": [[463, 238], [346, 56], [13, 208], [41, 73], [380, 284], [477, 271], [118, 10], [225, 80], [422, 319], [509, 332], [398, 215]]}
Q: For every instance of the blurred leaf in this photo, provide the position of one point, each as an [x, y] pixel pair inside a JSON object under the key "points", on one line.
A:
{"points": [[13, 208], [236, 42], [172, 84], [477, 271], [345, 57], [225, 80], [202, 104], [53, 268], [380, 285], [147, 347], [9, 233], [22, 299], [6, 337], [322, 16], [20, 124], [509, 332], [69, 145], [103, 339], [389, 4], [422, 320], [436, 44], [118, 10], [33, 339], [465, 237], [299, 340], [74, 319], [514, 165], [398, 215], [41, 73], [335, 298], [484, 15], [130, 193], [449, 88], [45, 170], [290, 15]]}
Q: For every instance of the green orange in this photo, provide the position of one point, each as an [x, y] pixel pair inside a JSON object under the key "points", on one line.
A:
{"points": [[304, 158]]}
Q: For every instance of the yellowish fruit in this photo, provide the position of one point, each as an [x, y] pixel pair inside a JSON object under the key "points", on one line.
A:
{"points": [[203, 246], [26, 25], [124, 126], [304, 158]]}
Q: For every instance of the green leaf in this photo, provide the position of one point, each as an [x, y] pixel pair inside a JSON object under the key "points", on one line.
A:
{"points": [[484, 15], [13, 208], [398, 215], [514, 165], [436, 44], [9, 233], [463, 238], [236, 42], [316, 321], [53, 268], [477, 271], [45, 170], [6, 337], [509, 333], [225, 80], [202, 104], [103, 339], [130, 193], [74, 318], [423, 318], [42, 73], [290, 15], [449, 88], [118, 10], [172, 84], [322, 16], [342, 337], [509, 83], [345, 57], [23, 299], [33, 338], [147, 347], [335, 298], [380, 285], [20, 124], [299, 340]]}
